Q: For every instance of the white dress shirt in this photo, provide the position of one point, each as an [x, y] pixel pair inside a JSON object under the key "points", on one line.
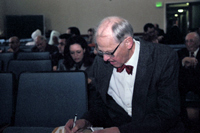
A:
{"points": [[195, 53], [121, 85]]}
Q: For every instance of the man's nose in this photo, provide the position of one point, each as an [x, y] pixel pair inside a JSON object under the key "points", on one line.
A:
{"points": [[106, 57]]}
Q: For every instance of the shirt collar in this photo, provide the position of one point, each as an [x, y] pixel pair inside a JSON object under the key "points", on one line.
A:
{"points": [[134, 57]]}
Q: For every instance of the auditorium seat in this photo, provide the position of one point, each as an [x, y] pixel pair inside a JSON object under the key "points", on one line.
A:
{"points": [[6, 99], [18, 66], [33, 56], [49, 99], [28, 130], [26, 48], [5, 58]]}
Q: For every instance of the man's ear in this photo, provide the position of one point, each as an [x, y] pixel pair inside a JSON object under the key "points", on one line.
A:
{"points": [[129, 42]]}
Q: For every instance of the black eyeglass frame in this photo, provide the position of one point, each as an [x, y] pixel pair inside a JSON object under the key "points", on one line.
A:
{"points": [[107, 53]]}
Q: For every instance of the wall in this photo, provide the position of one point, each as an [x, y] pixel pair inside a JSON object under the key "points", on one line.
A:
{"points": [[60, 14]]}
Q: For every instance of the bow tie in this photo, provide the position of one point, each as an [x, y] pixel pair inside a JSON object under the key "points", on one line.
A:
{"points": [[129, 69]]}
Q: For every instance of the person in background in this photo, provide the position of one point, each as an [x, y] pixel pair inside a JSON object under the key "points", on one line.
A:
{"points": [[77, 56], [189, 75], [160, 34], [150, 33], [74, 31], [41, 45], [54, 38], [14, 46], [62, 42], [33, 36], [174, 36], [90, 39], [136, 84], [61, 46]]}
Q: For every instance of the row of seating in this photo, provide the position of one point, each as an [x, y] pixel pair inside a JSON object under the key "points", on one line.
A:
{"points": [[5, 58], [22, 47], [43, 100], [22, 41]]}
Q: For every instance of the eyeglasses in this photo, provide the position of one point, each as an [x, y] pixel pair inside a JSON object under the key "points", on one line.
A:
{"points": [[108, 53]]}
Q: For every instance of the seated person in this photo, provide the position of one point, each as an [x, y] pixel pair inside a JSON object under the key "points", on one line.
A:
{"points": [[14, 46], [61, 46], [160, 34], [90, 39], [77, 56], [41, 45], [54, 38], [33, 36], [150, 33], [74, 31], [189, 75]]}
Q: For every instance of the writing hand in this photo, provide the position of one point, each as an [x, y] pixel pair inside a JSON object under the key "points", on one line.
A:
{"points": [[80, 125]]}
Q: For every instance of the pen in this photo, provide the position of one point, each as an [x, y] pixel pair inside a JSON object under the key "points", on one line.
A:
{"points": [[91, 129], [75, 118]]}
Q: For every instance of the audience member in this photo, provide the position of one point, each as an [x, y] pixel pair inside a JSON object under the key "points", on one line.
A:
{"points": [[189, 75], [41, 45], [174, 36], [150, 33], [14, 46], [74, 31], [145, 100], [61, 46], [160, 33], [90, 39], [54, 37], [77, 56], [33, 36], [62, 43]]}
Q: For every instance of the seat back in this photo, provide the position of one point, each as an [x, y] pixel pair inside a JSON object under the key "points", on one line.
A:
{"points": [[33, 56], [26, 48], [49, 99], [28, 130], [6, 97], [18, 66], [60, 62], [5, 58]]}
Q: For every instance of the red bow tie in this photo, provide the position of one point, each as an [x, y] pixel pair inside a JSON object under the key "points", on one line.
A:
{"points": [[129, 69]]}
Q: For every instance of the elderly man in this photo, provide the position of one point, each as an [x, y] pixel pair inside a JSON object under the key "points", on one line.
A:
{"points": [[14, 46], [41, 45], [189, 75], [136, 84]]}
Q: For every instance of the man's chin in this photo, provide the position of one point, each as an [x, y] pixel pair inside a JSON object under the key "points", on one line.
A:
{"points": [[115, 64]]}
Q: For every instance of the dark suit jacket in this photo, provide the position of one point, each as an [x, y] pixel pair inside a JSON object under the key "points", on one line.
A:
{"points": [[155, 102]]}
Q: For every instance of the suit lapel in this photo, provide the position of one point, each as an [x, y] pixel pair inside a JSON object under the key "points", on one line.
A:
{"points": [[104, 79], [142, 81]]}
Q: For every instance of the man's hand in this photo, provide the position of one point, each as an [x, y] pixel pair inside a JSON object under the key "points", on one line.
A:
{"points": [[189, 62], [80, 125], [10, 50], [108, 130]]}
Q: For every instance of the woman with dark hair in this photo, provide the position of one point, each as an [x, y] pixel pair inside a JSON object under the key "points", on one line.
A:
{"points": [[76, 55]]}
